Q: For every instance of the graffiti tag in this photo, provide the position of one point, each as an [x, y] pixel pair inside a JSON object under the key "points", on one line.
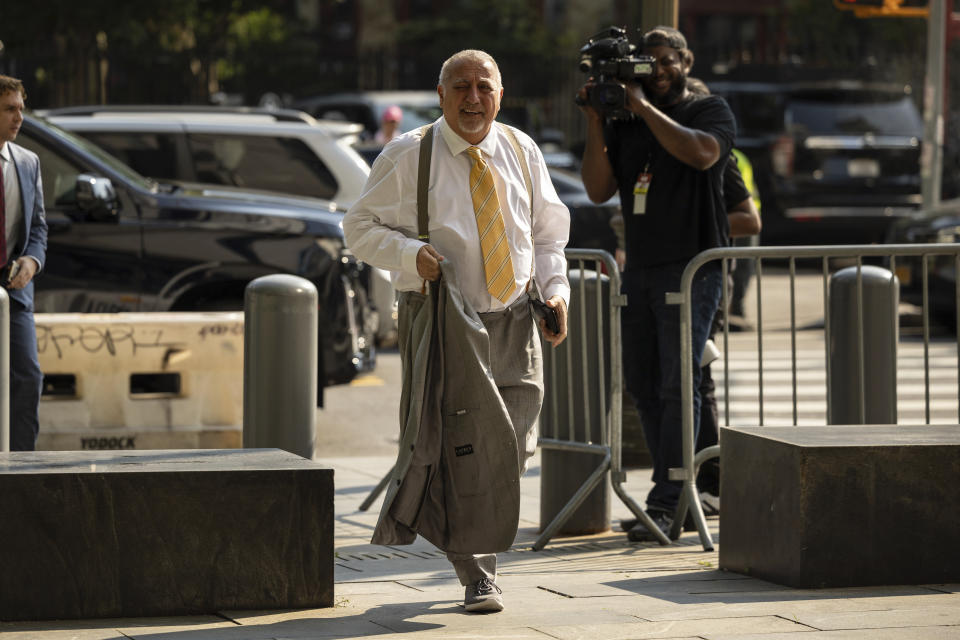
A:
{"points": [[234, 329], [99, 339]]}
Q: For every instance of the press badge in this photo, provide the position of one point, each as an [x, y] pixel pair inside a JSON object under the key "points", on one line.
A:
{"points": [[640, 192]]}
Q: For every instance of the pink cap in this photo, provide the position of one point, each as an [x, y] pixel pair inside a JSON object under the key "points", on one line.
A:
{"points": [[393, 113]]}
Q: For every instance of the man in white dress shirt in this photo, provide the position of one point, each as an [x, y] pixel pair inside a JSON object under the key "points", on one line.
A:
{"points": [[382, 230]]}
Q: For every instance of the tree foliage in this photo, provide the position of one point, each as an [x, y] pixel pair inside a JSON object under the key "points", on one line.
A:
{"points": [[503, 28], [828, 37], [170, 51]]}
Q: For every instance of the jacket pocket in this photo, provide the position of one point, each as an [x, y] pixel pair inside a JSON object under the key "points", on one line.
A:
{"points": [[464, 452]]}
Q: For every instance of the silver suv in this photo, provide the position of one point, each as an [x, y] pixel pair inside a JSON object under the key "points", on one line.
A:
{"points": [[287, 152], [284, 151]]}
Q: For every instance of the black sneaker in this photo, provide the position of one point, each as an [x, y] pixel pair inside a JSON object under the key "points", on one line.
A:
{"points": [[639, 533], [483, 595], [628, 523]]}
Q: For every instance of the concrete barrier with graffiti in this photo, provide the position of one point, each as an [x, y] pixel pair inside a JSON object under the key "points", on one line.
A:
{"points": [[141, 380]]}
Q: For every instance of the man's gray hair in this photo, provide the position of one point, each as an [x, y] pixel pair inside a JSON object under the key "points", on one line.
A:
{"points": [[468, 55]]}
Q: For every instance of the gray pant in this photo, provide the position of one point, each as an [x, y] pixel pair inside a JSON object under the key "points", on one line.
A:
{"points": [[517, 363]]}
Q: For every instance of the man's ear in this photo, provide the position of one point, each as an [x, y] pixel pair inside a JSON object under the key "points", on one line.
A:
{"points": [[440, 93], [686, 57]]}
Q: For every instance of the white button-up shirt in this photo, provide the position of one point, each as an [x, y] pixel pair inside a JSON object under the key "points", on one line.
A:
{"points": [[381, 227], [11, 190]]}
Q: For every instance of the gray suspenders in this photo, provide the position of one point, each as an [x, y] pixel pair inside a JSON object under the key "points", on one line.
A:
{"points": [[423, 182]]}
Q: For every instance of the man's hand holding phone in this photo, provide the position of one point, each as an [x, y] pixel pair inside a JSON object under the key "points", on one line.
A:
{"points": [[19, 273], [552, 317]]}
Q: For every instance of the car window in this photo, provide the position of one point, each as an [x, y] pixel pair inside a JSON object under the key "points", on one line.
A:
{"points": [[59, 175], [74, 140], [855, 114], [152, 154], [348, 113], [414, 116], [279, 164]]}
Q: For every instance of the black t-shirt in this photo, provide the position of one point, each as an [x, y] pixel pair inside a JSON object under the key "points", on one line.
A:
{"points": [[685, 213]]}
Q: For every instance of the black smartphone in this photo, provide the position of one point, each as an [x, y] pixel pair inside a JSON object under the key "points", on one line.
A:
{"points": [[10, 272], [549, 314]]}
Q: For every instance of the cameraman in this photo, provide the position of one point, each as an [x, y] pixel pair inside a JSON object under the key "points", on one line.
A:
{"points": [[667, 161]]}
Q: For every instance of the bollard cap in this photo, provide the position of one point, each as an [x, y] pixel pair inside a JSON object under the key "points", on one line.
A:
{"points": [[282, 285], [869, 273]]}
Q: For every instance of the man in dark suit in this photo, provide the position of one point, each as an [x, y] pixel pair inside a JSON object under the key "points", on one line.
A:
{"points": [[23, 247]]}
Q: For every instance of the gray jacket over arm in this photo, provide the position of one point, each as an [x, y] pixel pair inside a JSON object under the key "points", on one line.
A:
{"points": [[457, 477]]}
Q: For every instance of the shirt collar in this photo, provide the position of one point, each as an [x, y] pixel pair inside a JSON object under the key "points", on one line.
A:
{"points": [[458, 145], [5, 153]]}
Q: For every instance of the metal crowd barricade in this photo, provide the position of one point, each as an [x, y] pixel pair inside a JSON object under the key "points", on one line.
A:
{"points": [[582, 379], [691, 461], [564, 437]]}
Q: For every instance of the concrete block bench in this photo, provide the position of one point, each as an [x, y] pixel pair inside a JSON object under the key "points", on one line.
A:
{"points": [[841, 506], [91, 534]]}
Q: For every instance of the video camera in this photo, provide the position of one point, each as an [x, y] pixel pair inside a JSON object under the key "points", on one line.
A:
{"points": [[608, 56]]}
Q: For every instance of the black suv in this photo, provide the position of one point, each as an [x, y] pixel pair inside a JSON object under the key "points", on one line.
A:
{"points": [[835, 162], [122, 242]]}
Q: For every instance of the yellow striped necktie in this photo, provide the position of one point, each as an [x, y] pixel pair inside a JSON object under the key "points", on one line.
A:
{"points": [[497, 264]]}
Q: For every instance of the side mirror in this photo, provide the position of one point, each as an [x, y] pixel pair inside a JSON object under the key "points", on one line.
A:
{"points": [[96, 197]]}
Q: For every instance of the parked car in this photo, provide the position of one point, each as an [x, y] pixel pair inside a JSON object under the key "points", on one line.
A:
{"points": [[122, 242], [835, 162], [367, 108], [288, 151], [285, 151], [423, 107], [589, 222], [942, 225]]}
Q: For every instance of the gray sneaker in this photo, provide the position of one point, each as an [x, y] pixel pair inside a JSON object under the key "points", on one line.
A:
{"points": [[483, 595]]}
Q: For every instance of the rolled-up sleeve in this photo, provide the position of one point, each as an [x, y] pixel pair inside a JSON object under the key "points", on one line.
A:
{"points": [[374, 226], [551, 231]]}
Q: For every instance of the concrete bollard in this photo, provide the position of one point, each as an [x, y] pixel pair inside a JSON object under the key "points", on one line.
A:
{"points": [[872, 332], [4, 371], [280, 364]]}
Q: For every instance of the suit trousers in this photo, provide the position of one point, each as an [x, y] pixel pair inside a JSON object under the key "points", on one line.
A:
{"points": [[26, 379], [517, 362]]}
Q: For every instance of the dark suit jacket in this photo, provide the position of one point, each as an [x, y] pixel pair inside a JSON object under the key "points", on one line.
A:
{"points": [[33, 235]]}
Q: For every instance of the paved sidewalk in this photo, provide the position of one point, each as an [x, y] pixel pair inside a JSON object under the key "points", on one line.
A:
{"points": [[593, 587]]}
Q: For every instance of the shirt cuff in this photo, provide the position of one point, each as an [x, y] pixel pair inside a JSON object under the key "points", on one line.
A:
{"points": [[408, 257], [558, 290]]}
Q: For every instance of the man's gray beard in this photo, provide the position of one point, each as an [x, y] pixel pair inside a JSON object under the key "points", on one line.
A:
{"points": [[481, 123]]}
